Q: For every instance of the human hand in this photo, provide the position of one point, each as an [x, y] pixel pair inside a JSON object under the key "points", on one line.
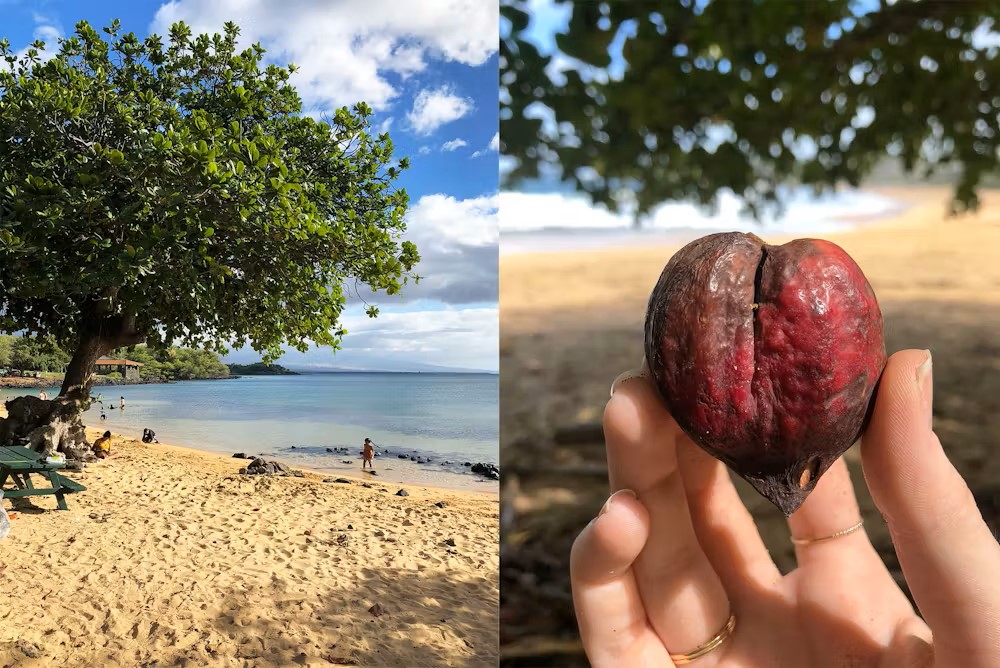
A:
{"points": [[675, 552]]}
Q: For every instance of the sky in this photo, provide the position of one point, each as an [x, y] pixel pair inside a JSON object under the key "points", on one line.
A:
{"points": [[431, 78]]}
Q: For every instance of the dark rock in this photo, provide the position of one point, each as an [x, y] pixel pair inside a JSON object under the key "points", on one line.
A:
{"points": [[383, 490], [329, 449], [298, 474], [293, 447], [487, 471], [343, 481], [441, 504], [260, 466], [350, 526], [240, 455], [30, 649], [401, 456], [413, 459], [243, 471], [402, 492], [450, 542], [467, 464]]}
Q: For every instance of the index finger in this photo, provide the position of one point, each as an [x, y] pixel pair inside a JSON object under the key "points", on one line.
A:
{"points": [[682, 594]]}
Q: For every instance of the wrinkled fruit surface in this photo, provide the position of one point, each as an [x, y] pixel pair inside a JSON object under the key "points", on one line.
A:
{"points": [[767, 356]]}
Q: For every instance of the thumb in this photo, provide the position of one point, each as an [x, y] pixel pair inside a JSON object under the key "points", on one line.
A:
{"points": [[947, 553]]}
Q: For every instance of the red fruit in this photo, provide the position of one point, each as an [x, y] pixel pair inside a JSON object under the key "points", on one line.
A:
{"points": [[767, 356]]}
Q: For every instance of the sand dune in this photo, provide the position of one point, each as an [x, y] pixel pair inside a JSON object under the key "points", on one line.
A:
{"points": [[173, 559]]}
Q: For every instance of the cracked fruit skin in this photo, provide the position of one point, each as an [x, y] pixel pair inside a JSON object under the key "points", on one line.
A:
{"points": [[767, 356]]}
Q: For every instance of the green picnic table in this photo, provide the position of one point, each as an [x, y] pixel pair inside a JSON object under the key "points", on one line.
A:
{"points": [[17, 463]]}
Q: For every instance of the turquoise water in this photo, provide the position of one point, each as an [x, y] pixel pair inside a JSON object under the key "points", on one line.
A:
{"points": [[445, 417]]}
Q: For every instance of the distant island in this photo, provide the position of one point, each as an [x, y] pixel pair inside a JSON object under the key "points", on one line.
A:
{"points": [[260, 369]]}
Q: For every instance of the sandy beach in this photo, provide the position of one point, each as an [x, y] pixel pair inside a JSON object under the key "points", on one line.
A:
{"points": [[171, 558], [572, 321]]}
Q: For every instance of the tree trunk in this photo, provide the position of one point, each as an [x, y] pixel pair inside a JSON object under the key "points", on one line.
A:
{"points": [[81, 368]]}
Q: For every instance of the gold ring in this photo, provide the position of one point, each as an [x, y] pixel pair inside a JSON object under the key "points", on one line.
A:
{"points": [[702, 650], [809, 541]]}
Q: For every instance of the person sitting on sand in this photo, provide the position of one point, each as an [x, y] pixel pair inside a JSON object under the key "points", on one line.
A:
{"points": [[102, 446], [368, 454], [149, 436]]}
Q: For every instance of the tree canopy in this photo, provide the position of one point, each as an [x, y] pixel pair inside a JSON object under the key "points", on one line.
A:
{"points": [[173, 191], [660, 101]]}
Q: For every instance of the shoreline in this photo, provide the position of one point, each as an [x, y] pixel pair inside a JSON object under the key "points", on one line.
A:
{"points": [[463, 482], [45, 383], [310, 472], [570, 240]]}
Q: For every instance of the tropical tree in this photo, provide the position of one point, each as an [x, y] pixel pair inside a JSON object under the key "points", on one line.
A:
{"points": [[40, 353], [641, 102], [173, 191]]}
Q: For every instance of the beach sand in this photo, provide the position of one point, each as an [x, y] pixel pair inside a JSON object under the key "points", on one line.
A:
{"points": [[171, 558], [572, 321]]}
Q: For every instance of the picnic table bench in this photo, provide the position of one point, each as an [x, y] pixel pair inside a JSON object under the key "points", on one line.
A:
{"points": [[17, 463]]}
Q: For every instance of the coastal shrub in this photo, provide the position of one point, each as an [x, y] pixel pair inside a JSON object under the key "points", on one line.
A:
{"points": [[114, 375]]}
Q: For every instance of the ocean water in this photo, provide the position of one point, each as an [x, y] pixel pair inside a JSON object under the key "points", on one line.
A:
{"points": [[444, 417], [559, 221]]}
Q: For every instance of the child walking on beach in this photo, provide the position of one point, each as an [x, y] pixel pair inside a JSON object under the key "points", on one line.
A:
{"points": [[368, 455]]}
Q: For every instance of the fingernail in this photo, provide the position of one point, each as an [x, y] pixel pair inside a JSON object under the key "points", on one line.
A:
{"points": [[622, 493], [624, 376], [925, 381]]}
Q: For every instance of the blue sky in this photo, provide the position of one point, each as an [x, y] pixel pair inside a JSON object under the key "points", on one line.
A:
{"points": [[431, 76]]}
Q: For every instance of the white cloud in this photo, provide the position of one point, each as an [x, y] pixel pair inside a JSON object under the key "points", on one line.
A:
{"points": [[458, 242], [46, 32], [446, 222], [347, 50], [434, 108], [431, 336], [424, 150], [385, 125], [451, 337], [493, 147], [453, 145]]}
